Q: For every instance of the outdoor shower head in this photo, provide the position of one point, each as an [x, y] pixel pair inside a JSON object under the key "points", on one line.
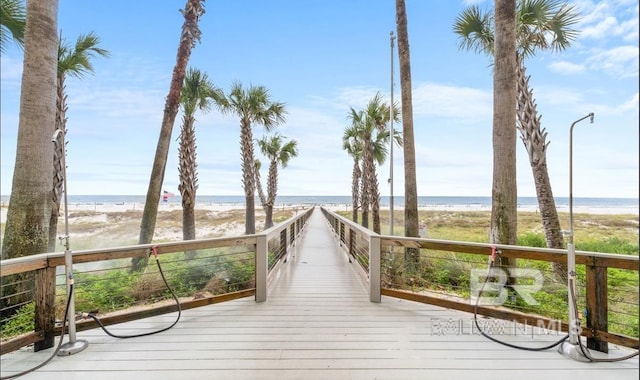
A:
{"points": [[54, 138]]}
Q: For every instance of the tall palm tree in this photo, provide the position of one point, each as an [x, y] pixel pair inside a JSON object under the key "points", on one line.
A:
{"points": [[27, 224], [541, 25], [358, 128], [188, 37], [412, 255], [12, 19], [74, 61], [504, 190], [279, 151], [366, 139], [254, 106], [375, 136], [198, 93], [352, 144]]}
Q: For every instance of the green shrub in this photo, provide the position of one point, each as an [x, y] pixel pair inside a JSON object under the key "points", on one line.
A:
{"points": [[532, 239], [20, 323], [608, 245]]}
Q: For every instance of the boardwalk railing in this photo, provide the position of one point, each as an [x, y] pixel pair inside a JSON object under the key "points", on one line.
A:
{"points": [[200, 272], [449, 274]]}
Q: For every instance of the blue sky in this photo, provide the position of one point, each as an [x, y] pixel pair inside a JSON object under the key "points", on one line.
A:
{"points": [[321, 57]]}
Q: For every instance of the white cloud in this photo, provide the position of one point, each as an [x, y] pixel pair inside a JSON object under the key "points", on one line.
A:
{"points": [[565, 67], [621, 61], [468, 3], [465, 103], [608, 18], [632, 104], [601, 29]]}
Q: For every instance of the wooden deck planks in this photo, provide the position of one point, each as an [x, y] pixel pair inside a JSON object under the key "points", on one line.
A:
{"points": [[317, 323]]}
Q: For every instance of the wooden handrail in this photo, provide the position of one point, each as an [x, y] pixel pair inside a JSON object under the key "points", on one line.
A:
{"points": [[44, 265], [596, 265]]}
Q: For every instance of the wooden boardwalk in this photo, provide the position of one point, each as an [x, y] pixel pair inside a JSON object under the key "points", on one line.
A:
{"points": [[317, 323]]}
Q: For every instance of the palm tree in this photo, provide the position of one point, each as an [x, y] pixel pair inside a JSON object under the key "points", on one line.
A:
{"points": [[279, 153], [352, 144], [366, 139], [412, 255], [75, 62], [189, 36], [375, 136], [545, 25], [357, 128], [12, 19], [252, 105], [504, 190], [27, 224], [380, 153], [198, 92], [261, 195]]}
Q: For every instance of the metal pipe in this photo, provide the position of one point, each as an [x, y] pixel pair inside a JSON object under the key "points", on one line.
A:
{"points": [[73, 345], [391, 135], [590, 115], [571, 350]]}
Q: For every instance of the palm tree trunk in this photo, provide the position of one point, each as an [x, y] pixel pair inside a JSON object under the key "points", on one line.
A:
{"points": [[188, 179], [355, 193], [412, 255], [504, 190], [366, 181], [190, 34], [375, 205], [58, 173], [534, 139], [248, 176], [261, 196], [272, 190], [268, 218], [27, 225]]}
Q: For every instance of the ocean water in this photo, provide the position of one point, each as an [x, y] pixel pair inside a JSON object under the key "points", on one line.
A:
{"points": [[332, 200]]}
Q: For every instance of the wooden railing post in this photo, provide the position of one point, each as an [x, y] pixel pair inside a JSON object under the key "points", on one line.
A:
{"points": [[352, 243], [262, 267], [45, 306], [284, 242], [374, 269], [597, 307]]}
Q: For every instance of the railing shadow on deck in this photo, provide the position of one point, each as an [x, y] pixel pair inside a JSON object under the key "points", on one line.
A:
{"points": [[448, 270], [201, 272]]}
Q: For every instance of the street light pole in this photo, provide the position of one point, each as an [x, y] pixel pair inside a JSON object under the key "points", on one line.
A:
{"points": [[571, 349], [73, 345], [391, 135]]}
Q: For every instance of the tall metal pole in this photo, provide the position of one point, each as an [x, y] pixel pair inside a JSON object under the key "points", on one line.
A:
{"points": [[570, 349], [391, 135], [73, 345]]}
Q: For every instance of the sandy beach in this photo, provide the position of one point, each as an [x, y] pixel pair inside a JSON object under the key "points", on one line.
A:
{"points": [[95, 225], [220, 207], [106, 208]]}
